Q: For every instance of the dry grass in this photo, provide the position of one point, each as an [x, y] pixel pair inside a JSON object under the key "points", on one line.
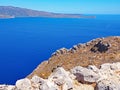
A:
{"points": [[83, 56]]}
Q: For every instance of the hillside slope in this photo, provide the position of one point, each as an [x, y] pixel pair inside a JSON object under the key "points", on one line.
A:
{"points": [[95, 52], [10, 11]]}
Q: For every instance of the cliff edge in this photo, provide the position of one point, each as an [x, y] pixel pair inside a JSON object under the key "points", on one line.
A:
{"points": [[94, 65], [94, 52], [107, 77]]}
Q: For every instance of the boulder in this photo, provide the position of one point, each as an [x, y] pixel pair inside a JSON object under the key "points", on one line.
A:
{"points": [[85, 75], [60, 51], [48, 86], [36, 79], [107, 77], [24, 84], [101, 47], [62, 78], [108, 66], [108, 84]]}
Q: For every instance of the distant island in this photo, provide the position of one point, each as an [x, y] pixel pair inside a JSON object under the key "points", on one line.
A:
{"points": [[13, 12]]}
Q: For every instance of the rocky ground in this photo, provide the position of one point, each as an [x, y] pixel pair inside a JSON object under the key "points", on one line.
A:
{"points": [[91, 66], [107, 77], [94, 52]]}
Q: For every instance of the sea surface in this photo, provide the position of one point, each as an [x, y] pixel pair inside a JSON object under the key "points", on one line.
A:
{"points": [[26, 42]]}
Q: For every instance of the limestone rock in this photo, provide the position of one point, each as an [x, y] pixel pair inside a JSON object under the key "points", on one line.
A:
{"points": [[36, 79], [95, 52], [7, 87], [93, 68], [37, 82], [48, 86], [108, 84], [107, 77], [60, 51], [24, 84], [83, 87], [108, 66], [62, 78], [85, 75]]}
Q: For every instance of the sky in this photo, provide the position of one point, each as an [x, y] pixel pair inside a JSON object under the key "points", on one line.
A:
{"points": [[68, 6]]}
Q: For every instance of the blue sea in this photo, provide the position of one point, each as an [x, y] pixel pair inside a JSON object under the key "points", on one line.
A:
{"points": [[26, 42]]}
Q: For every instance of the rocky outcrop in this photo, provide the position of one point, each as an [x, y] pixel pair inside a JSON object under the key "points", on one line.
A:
{"points": [[60, 51], [7, 87], [85, 75], [58, 80], [107, 77], [100, 47], [94, 52], [94, 65]]}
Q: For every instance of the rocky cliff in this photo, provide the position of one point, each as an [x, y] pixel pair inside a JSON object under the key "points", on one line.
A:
{"points": [[107, 77], [94, 52], [94, 65]]}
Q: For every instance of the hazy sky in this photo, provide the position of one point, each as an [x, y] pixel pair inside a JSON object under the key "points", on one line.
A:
{"points": [[68, 6]]}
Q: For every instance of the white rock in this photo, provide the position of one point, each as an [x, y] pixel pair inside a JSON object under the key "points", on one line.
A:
{"points": [[85, 75], [7, 87], [62, 78], [93, 68], [83, 87], [49, 86], [24, 84], [107, 78], [108, 84], [36, 79]]}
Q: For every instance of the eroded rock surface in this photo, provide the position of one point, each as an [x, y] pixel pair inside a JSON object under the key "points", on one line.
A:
{"points": [[94, 52], [107, 77], [85, 75], [94, 65]]}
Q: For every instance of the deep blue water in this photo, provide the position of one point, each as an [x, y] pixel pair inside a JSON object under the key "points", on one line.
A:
{"points": [[25, 42]]}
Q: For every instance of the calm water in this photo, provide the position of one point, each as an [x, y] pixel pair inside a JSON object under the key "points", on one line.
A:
{"points": [[25, 42]]}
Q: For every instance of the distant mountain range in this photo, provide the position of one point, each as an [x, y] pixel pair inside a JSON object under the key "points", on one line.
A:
{"points": [[13, 12]]}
